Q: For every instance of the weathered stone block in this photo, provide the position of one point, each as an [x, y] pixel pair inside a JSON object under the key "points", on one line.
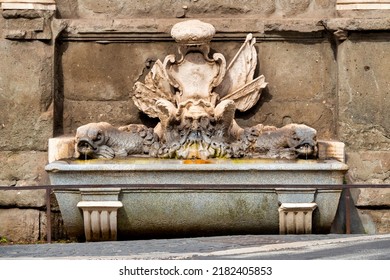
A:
{"points": [[374, 197], [364, 93], [29, 225], [325, 3], [25, 24], [294, 7], [370, 167], [195, 8], [23, 168], [301, 86], [26, 119], [106, 72], [298, 72], [376, 221], [23, 198], [102, 72], [20, 225], [117, 113]]}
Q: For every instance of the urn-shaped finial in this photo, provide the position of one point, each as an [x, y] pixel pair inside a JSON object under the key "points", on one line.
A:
{"points": [[192, 32]]}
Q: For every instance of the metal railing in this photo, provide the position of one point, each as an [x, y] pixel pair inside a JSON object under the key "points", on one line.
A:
{"points": [[50, 188]]}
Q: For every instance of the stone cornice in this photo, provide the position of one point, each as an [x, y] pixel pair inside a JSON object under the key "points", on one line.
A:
{"points": [[231, 29]]}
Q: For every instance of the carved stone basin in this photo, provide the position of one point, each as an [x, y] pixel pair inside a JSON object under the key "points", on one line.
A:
{"points": [[199, 209]]}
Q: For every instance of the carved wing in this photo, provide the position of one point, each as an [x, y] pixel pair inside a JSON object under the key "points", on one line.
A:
{"points": [[238, 84], [248, 95], [156, 87]]}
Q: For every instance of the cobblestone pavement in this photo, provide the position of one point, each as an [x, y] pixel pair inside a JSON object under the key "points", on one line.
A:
{"points": [[219, 247]]}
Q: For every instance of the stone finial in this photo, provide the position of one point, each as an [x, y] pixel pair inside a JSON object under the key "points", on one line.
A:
{"points": [[192, 32]]}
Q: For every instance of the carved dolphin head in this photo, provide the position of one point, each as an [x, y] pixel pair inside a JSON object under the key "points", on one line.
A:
{"points": [[303, 140], [90, 137]]}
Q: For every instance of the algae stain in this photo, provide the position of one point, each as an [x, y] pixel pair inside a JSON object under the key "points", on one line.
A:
{"points": [[240, 210]]}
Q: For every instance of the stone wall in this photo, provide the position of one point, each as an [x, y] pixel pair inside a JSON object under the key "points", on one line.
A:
{"points": [[364, 100], [78, 65], [195, 8]]}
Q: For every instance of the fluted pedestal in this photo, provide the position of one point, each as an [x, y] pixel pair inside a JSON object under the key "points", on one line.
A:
{"points": [[100, 219], [296, 218]]}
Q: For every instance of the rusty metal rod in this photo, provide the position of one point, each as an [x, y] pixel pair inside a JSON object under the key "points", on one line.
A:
{"points": [[193, 186], [48, 215], [347, 211]]}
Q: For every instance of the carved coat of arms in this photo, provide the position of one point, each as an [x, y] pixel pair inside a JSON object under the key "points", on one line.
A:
{"points": [[195, 97]]}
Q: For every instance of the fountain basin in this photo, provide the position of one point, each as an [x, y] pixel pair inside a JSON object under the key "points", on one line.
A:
{"points": [[209, 197]]}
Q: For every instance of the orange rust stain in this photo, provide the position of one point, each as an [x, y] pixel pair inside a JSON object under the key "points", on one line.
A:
{"points": [[196, 161]]}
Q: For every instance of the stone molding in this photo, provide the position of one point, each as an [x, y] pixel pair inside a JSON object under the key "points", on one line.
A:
{"points": [[362, 5], [28, 19], [227, 29], [28, 5]]}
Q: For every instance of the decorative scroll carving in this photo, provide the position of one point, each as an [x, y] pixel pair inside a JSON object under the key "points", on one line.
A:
{"points": [[195, 97]]}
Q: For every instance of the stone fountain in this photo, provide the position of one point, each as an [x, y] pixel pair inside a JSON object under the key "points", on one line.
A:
{"points": [[193, 173]]}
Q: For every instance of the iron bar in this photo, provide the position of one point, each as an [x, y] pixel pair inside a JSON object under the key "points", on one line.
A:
{"points": [[48, 215], [195, 186], [347, 211]]}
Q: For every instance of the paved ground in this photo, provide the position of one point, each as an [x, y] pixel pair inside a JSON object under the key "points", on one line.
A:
{"points": [[219, 247]]}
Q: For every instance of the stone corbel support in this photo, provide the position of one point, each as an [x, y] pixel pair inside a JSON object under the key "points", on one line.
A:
{"points": [[296, 218], [100, 207], [296, 210], [28, 19], [100, 219]]}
